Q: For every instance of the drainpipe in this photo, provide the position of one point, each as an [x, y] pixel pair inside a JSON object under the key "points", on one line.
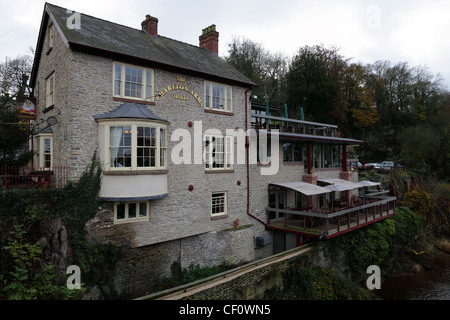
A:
{"points": [[247, 145]]}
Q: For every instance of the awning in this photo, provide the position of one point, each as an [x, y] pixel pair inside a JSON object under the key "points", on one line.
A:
{"points": [[337, 187], [307, 189], [367, 183], [343, 184]]}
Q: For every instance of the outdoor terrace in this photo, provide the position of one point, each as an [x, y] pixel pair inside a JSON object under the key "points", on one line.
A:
{"points": [[327, 222]]}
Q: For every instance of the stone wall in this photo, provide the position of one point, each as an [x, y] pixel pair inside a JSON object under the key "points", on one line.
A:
{"points": [[266, 281], [139, 268]]}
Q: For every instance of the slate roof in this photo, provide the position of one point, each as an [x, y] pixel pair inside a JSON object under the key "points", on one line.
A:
{"points": [[97, 36], [129, 110]]}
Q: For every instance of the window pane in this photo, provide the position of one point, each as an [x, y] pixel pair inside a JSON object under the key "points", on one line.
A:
{"points": [[133, 82], [287, 152], [132, 210], [218, 96], [218, 203], [327, 156], [120, 146], [317, 154], [298, 152], [47, 153], [142, 209], [149, 85], [121, 211]]}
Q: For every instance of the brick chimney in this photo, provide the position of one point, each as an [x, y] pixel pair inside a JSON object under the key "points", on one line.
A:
{"points": [[150, 25], [210, 39]]}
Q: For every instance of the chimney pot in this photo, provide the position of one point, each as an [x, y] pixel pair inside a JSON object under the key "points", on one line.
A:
{"points": [[150, 25], [210, 39]]}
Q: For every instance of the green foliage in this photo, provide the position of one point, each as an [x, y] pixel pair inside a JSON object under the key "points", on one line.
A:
{"points": [[13, 137], [96, 261], [379, 242], [320, 284], [421, 202], [26, 279], [77, 202]]}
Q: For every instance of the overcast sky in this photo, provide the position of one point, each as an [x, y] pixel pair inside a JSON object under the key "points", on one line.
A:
{"points": [[410, 31]]}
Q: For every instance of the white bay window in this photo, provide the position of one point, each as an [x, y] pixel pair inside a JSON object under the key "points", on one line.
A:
{"points": [[135, 146]]}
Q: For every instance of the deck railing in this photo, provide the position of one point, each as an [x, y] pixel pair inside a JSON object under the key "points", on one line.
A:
{"points": [[328, 225], [293, 126], [26, 177]]}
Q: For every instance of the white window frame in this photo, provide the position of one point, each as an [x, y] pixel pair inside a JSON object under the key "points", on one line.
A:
{"points": [[50, 90], [159, 149], [50, 35], [209, 97], [216, 195], [228, 152], [144, 84], [40, 150], [126, 218]]}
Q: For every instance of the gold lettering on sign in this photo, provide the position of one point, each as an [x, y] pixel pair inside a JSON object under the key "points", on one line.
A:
{"points": [[180, 97], [180, 87], [181, 79]]}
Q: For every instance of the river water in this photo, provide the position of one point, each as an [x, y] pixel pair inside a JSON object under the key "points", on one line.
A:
{"points": [[432, 283]]}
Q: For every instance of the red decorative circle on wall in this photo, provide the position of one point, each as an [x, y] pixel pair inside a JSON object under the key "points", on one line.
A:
{"points": [[191, 187], [239, 182], [190, 124]]}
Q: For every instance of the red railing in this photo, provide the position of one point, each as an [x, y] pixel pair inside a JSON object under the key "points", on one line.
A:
{"points": [[15, 177]]}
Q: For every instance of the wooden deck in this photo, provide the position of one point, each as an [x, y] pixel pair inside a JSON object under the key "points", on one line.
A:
{"points": [[331, 225]]}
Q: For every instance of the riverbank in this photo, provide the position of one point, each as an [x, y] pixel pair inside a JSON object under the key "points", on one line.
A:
{"points": [[426, 278]]}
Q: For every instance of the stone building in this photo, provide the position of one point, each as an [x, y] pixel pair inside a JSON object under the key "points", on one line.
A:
{"points": [[175, 131]]}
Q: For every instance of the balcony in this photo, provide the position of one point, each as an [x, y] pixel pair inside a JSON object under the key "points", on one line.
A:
{"points": [[15, 177], [344, 215], [292, 129]]}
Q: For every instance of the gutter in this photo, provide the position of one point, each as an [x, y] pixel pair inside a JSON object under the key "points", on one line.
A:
{"points": [[247, 146]]}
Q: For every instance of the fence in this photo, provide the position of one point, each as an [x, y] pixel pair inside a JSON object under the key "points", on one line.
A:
{"points": [[26, 177]]}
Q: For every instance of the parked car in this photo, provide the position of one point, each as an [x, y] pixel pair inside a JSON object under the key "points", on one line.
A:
{"points": [[372, 165], [387, 164], [354, 164]]}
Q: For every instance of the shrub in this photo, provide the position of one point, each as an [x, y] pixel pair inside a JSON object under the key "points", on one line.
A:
{"points": [[320, 284]]}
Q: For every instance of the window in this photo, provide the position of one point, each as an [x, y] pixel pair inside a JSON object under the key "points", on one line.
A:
{"points": [[218, 203], [44, 151], [326, 156], [218, 97], [317, 156], [50, 36], [133, 146], [293, 152], [131, 211], [218, 152], [49, 90], [132, 82]]}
